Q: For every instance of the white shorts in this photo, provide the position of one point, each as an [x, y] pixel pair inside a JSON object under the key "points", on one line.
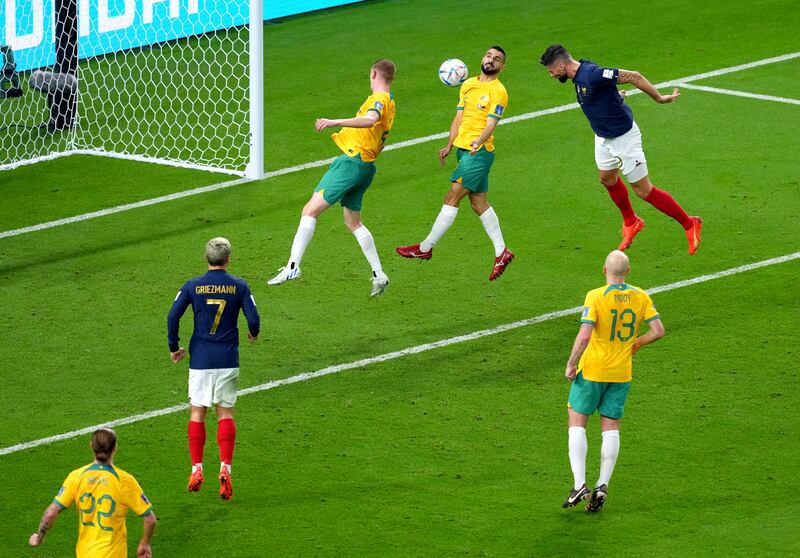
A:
{"points": [[623, 152], [215, 386]]}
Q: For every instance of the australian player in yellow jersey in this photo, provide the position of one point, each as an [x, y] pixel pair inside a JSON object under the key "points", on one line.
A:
{"points": [[600, 367], [103, 494], [482, 102], [361, 139]]}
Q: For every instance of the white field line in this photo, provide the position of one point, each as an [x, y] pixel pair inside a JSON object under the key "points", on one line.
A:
{"points": [[740, 93], [391, 147], [305, 376]]}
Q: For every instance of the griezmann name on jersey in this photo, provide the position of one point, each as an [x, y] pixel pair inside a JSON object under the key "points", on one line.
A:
{"points": [[616, 311], [216, 299], [103, 495], [368, 142]]}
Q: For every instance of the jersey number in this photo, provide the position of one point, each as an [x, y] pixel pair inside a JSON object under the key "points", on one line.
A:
{"points": [[629, 326], [221, 302], [93, 506]]}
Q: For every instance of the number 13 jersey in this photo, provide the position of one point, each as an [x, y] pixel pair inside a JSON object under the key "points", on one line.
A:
{"points": [[616, 312]]}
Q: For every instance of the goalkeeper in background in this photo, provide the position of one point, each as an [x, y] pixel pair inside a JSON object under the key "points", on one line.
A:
{"points": [[361, 139]]}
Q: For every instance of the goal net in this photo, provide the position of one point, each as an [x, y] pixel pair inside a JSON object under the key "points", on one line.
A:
{"points": [[175, 82]]}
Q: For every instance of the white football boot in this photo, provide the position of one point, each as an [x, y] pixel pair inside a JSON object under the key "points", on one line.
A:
{"points": [[379, 283], [285, 274]]}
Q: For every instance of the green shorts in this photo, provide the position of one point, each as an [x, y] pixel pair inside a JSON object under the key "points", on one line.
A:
{"points": [[586, 396], [346, 181], [472, 171]]}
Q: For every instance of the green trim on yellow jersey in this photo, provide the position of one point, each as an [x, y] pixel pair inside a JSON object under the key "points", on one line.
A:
{"points": [[618, 287], [656, 317], [59, 504], [100, 467]]}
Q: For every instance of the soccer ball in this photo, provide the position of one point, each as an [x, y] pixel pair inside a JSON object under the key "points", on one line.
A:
{"points": [[453, 72]]}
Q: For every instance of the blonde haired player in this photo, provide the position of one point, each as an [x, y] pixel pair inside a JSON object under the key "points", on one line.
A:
{"points": [[103, 494], [599, 368], [361, 139], [482, 102]]}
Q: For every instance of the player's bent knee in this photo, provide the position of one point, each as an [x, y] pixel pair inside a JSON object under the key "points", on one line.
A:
{"points": [[642, 188]]}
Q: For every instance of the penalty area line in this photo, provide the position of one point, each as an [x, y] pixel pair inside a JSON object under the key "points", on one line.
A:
{"points": [[391, 147], [304, 377]]}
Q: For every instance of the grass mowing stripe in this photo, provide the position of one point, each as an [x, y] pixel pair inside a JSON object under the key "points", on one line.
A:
{"points": [[408, 143], [740, 93], [395, 354]]}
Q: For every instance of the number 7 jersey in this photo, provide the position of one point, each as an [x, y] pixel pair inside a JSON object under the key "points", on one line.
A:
{"points": [[616, 312]]}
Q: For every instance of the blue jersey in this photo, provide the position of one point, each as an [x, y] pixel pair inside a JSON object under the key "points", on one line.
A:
{"points": [[216, 299], [600, 101]]}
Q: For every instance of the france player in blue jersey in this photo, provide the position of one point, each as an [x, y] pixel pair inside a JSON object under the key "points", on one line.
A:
{"points": [[216, 299], [618, 141]]}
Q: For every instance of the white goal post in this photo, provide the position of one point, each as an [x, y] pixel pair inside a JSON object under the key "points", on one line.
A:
{"points": [[176, 82]]}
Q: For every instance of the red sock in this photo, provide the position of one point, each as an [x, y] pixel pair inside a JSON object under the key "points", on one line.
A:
{"points": [[197, 440], [619, 193], [666, 204], [226, 438]]}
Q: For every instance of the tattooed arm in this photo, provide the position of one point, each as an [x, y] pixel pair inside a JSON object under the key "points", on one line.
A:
{"points": [[641, 82], [49, 517]]}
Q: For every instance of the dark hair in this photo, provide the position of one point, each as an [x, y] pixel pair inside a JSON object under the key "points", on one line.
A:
{"points": [[103, 443], [499, 49], [554, 53], [385, 69]]}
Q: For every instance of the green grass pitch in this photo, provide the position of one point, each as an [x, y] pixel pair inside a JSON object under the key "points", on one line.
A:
{"points": [[457, 451]]}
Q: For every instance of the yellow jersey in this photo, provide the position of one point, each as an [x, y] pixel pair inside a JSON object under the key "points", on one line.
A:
{"points": [[103, 494], [479, 100], [616, 312], [368, 142]]}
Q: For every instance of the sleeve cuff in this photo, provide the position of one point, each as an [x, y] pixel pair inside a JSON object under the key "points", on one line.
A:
{"points": [[147, 512], [494, 116], [656, 317], [59, 504], [587, 322]]}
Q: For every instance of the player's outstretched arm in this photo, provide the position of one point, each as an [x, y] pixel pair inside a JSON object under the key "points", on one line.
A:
{"points": [[641, 83], [367, 121], [454, 127], [49, 517], [655, 333], [578, 348]]}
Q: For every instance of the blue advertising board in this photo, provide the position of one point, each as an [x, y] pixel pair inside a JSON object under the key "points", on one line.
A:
{"points": [[106, 26]]}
